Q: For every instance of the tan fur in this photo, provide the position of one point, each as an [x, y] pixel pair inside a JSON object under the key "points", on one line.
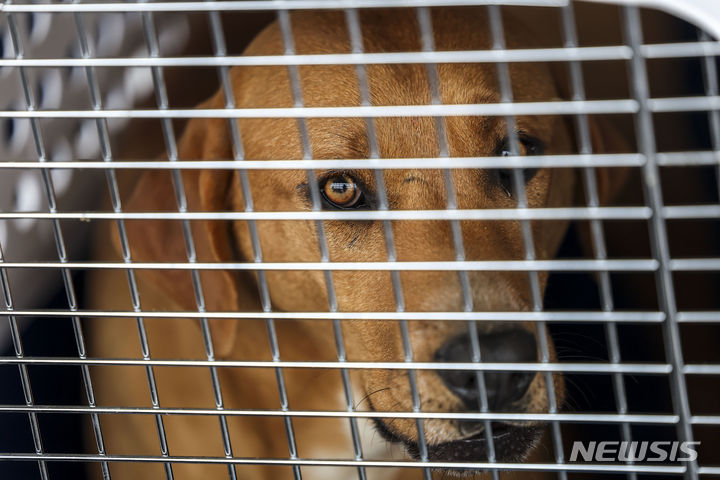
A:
{"points": [[292, 241]]}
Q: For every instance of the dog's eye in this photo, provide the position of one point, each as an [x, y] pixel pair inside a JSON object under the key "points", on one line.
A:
{"points": [[342, 191], [526, 146]]}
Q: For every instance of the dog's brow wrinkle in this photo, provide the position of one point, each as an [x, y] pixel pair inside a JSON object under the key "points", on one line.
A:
{"points": [[353, 142]]}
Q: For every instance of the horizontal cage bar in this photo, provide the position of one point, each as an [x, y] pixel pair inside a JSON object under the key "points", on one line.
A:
{"points": [[598, 367], [564, 54], [490, 109], [263, 5], [570, 213], [539, 161], [549, 316], [539, 417], [559, 213], [573, 107], [637, 265], [552, 467]]}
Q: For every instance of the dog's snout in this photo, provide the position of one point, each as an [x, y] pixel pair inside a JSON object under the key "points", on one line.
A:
{"points": [[502, 387]]}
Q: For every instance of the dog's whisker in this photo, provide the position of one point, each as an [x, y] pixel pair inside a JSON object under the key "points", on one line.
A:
{"points": [[579, 390], [366, 397], [581, 357], [585, 338], [570, 404]]}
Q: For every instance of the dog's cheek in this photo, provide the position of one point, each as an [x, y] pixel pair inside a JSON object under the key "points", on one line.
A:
{"points": [[297, 291], [373, 341], [548, 235], [364, 291], [384, 390], [389, 391], [289, 242], [537, 397], [289, 290]]}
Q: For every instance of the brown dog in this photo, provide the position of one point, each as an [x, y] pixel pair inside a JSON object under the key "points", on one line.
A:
{"points": [[385, 390]]}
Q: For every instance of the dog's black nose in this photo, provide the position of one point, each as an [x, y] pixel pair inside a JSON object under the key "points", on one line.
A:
{"points": [[502, 388]]}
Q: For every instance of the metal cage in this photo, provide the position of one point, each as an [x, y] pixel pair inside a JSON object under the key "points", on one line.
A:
{"points": [[94, 93]]}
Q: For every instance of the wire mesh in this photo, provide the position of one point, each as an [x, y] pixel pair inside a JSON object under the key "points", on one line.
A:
{"points": [[234, 319]]}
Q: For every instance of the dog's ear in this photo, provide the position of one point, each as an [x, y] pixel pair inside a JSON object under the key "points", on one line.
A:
{"points": [[607, 138], [164, 240]]}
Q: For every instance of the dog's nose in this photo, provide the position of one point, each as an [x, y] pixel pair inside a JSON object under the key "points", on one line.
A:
{"points": [[503, 388]]}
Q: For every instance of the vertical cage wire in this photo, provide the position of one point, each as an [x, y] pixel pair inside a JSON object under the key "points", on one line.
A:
{"points": [[428, 45], [171, 149], [219, 50], [659, 237], [710, 77], [113, 189], [24, 377], [82, 37], [506, 95], [30, 104], [284, 19], [104, 140], [357, 47], [582, 129], [357, 43]]}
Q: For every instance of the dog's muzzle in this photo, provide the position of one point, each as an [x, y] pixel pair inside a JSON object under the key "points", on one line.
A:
{"points": [[504, 391], [510, 444]]}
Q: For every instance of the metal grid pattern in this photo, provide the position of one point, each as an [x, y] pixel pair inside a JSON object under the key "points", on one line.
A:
{"points": [[641, 105]]}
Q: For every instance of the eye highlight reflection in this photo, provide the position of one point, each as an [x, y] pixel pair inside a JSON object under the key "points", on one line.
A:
{"points": [[526, 146], [342, 191]]}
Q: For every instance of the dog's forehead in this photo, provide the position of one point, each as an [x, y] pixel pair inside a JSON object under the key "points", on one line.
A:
{"points": [[397, 30], [387, 85]]}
